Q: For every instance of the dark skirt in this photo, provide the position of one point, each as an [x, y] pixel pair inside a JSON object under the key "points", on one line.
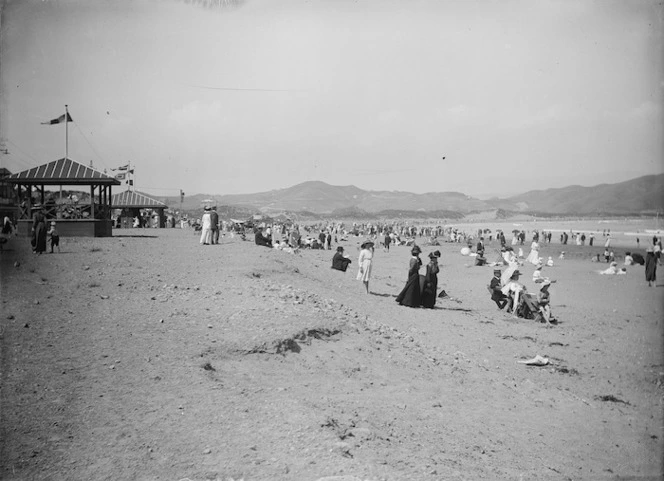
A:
{"points": [[40, 237], [411, 294], [651, 267], [429, 292]]}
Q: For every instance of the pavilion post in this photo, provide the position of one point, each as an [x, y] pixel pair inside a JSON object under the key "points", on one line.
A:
{"points": [[66, 133], [92, 201]]}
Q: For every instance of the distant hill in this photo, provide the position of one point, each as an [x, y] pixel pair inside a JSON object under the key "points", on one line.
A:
{"points": [[322, 198], [643, 195]]}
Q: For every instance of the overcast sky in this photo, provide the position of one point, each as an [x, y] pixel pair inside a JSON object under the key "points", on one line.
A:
{"points": [[516, 95]]}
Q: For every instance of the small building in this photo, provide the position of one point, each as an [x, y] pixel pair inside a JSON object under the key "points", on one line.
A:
{"points": [[134, 204], [87, 216], [8, 204]]}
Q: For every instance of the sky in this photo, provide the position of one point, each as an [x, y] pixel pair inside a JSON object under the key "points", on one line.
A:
{"points": [[222, 97]]}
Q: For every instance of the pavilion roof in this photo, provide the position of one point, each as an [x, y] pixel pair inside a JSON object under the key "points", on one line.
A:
{"points": [[62, 172], [135, 200]]}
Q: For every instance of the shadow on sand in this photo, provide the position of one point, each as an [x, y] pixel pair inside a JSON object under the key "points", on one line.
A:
{"points": [[142, 236]]}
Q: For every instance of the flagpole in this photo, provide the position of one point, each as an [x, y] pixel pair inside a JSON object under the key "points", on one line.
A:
{"points": [[66, 133]]}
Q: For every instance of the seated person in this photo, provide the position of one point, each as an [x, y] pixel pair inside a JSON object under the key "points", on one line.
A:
{"points": [[612, 269], [527, 307], [494, 287], [549, 262], [339, 261], [513, 289], [262, 240], [544, 303], [638, 259], [537, 274], [629, 260]]}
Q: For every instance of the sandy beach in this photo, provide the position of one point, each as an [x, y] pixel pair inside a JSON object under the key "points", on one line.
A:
{"points": [[149, 356]]}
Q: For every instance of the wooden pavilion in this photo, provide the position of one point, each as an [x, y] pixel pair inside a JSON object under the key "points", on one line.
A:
{"points": [[74, 218], [132, 202]]}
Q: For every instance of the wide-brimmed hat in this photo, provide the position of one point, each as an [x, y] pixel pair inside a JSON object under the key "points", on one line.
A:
{"points": [[52, 222], [436, 253], [366, 244], [497, 271], [416, 250], [432, 255], [207, 207], [340, 249], [515, 273]]}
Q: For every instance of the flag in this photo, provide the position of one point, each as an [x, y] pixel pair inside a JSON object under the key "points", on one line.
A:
{"points": [[131, 171], [120, 176], [130, 182], [59, 120], [124, 167]]}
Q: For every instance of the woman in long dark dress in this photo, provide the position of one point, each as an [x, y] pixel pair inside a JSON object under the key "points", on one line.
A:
{"points": [[651, 267], [431, 281], [411, 295], [39, 232]]}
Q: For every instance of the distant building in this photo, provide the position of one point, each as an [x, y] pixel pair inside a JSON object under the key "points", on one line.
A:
{"points": [[8, 205]]}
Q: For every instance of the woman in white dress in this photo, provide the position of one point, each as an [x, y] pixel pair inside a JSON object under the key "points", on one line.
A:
{"points": [[533, 256], [206, 231], [364, 262]]}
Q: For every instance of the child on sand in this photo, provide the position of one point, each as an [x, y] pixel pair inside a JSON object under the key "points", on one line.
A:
{"points": [[544, 302], [55, 237]]}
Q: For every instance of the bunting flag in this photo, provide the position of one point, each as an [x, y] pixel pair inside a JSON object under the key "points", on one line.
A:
{"points": [[131, 171], [124, 167], [120, 176], [59, 120], [130, 182]]}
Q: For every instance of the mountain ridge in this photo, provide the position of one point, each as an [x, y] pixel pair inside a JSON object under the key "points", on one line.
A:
{"points": [[641, 195]]}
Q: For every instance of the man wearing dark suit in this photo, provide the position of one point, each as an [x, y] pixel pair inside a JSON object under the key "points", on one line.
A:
{"points": [[214, 222], [495, 287]]}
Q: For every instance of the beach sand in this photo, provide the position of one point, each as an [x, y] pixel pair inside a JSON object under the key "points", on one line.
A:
{"points": [[149, 356]]}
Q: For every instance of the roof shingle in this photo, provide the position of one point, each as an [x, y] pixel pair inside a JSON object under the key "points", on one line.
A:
{"points": [[62, 171]]}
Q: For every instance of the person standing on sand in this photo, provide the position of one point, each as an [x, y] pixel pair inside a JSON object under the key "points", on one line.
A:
{"points": [[39, 231], [7, 231], [55, 237], [480, 247], [365, 260], [431, 281], [533, 256], [214, 226], [206, 230], [651, 267], [411, 295]]}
